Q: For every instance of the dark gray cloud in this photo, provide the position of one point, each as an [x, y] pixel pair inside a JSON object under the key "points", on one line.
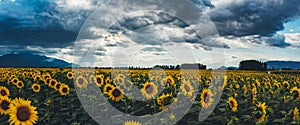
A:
{"points": [[254, 17]]}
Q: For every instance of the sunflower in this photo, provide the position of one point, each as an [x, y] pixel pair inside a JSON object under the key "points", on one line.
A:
{"points": [[107, 88], [4, 91], [15, 81], [186, 88], [20, 84], [149, 90], [4, 105], [81, 82], [296, 113], [286, 84], [52, 83], [64, 90], [165, 99], [36, 87], [21, 112], [92, 79], [70, 75], [37, 78], [169, 80], [47, 81], [132, 123], [57, 86], [206, 98], [261, 114], [116, 94], [233, 104], [99, 80], [295, 92]]}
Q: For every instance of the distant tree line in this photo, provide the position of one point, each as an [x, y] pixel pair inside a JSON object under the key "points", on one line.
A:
{"points": [[253, 65]]}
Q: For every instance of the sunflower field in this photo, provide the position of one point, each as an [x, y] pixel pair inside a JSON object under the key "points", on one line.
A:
{"points": [[56, 95]]}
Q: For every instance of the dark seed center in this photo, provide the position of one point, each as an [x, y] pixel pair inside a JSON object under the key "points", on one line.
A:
{"points": [[4, 105], [187, 88], [64, 90], [36, 87], [3, 93], [116, 93], [23, 114], [149, 89], [81, 81]]}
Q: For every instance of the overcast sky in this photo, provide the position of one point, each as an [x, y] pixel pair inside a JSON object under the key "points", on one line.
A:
{"points": [[243, 29]]}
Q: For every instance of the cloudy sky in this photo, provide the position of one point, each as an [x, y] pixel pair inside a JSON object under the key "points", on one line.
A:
{"points": [[123, 33]]}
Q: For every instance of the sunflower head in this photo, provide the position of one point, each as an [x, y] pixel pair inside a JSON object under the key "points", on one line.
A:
{"points": [[70, 75], [132, 123], [4, 91], [4, 105], [232, 103], [261, 113], [149, 90], [116, 94], [99, 80], [186, 88], [64, 90], [206, 98], [295, 92], [20, 84], [107, 88], [36, 87], [21, 112], [81, 82]]}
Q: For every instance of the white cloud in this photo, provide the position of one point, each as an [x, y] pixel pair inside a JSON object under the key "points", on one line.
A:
{"points": [[293, 38]]}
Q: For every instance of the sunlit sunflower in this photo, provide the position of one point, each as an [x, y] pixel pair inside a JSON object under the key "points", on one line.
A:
{"points": [[99, 80], [22, 113], [15, 81], [57, 86], [233, 104], [132, 123], [108, 80], [206, 98], [286, 84], [169, 80], [165, 99], [186, 88], [261, 114], [36, 87], [92, 79], [4, 105], [107, 88], [64, 90], [70, 75], [52, 83], [81, 82], [4, 91], [37, 78], [296, 113], [20, 84], [295, 93], [149, 90], [116, 94]]}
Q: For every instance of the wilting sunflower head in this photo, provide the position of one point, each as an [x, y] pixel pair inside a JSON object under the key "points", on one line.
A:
{"points": [[206, 98], [36, 87], [4, 91], [116, 94], [132, 123], [22, 113], [4, 105], [295, 113], [232, 103], [149, 90]]}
